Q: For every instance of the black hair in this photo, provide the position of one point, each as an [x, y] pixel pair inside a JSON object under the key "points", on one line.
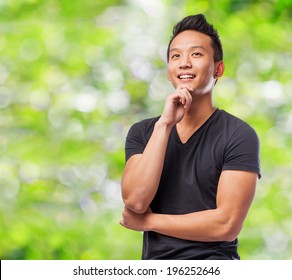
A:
{"points": [[199, 23]]}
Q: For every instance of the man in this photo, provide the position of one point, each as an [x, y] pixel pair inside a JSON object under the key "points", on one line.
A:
{"points": [[191, 174]]}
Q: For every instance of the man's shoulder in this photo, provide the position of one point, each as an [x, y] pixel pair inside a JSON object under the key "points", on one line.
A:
{"points": [[236, 125], [144, 127], [232, 119], [145, 123]]}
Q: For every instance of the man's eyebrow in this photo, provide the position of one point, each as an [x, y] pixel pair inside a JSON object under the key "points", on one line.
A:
{"points": [[198, 47], [192, 47]]}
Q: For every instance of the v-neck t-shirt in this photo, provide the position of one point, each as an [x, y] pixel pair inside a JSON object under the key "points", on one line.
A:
{"points": [[190, 178]]}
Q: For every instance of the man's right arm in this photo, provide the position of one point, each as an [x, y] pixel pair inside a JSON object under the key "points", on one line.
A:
{"points": [[143, 171]]}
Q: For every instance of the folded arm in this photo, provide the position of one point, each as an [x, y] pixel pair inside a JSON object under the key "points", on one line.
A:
{"points": [[234, 196]]}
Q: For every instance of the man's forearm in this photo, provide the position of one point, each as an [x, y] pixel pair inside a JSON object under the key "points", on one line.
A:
{"points": [[204, 226]]}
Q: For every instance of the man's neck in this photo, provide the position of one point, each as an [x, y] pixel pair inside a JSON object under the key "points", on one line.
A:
{"points": [[201, 109], [199, 112]]}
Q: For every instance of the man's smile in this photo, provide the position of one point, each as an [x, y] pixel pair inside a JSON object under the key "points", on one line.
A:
{"points": [[186, 76]]}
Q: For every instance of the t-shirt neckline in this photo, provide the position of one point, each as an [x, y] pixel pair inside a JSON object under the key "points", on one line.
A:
{"points": [[216, 111]]}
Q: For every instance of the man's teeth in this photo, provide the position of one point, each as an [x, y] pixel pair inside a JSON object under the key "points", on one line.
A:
{"points": [[186, 76]]}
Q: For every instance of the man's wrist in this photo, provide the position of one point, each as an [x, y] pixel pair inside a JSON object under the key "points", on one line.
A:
{"points": [[161, 123], [149, 222]]}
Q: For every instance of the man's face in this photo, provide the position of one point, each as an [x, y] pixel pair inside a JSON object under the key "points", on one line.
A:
{"points": [[191, 61]]}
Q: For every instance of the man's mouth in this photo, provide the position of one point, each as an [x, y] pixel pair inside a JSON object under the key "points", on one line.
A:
{"points": [[186, 76]]}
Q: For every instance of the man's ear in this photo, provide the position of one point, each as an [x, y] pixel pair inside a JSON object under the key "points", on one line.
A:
{"points": [[219, 69]]}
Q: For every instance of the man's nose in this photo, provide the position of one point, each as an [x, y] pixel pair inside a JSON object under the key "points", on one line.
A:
{"points": [[185, 63]]}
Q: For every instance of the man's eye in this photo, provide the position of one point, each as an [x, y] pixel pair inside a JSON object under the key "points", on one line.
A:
{"points": [[175, 56], [196, 54]]}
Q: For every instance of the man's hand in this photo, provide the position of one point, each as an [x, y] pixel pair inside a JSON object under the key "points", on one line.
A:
{"points": [[134, 221], [176, 105]]}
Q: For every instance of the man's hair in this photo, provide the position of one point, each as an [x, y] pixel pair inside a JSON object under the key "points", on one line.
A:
{"points": [[199, 23]]}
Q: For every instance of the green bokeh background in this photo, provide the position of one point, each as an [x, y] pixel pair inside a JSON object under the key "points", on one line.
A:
{"points": [[74, 75]]}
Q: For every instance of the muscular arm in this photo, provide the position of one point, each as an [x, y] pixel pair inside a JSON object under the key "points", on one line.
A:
{"points": [[143, 171], [235, 194]]}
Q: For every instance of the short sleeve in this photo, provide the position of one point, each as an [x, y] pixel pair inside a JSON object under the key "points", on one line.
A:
{"points": [[134, 141], [242, 151]]}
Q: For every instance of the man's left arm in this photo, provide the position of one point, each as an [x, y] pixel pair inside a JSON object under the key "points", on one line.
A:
{"points": [[235, 193]]}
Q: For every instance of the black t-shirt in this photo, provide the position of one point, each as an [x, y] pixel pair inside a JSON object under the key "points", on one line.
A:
{"points": [[190, 178]]}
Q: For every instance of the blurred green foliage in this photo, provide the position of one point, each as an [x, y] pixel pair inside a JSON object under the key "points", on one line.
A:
{"points": [[74, 75]]}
